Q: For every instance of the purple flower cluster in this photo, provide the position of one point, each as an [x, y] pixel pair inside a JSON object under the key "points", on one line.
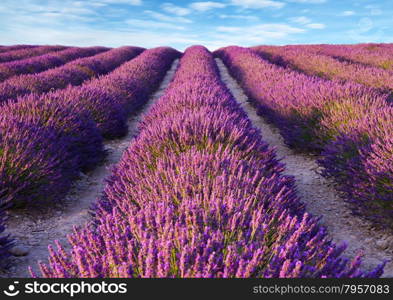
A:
{"points": [[74, 123], [28, 52], [351, 126], [35, 163], [43, 62], [361, 161], [303, 59], [72, 73], [199, 194], [4, 49], [46, 140]]}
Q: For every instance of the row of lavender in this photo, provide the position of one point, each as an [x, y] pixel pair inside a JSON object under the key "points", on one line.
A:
{"points": [[45, 140], [349, 125], [4, 49], [199, 194], [28, 52], [72, 73], [372, 55], [44, 62], [304, 59]]}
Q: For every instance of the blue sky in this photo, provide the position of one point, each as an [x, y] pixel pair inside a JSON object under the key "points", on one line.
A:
{"points": [[179, 24]]}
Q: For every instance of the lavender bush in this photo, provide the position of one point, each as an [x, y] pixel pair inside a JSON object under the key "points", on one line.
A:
{"points": [[107, 113], [361, 160], [75, 124], [200, 194], [35, 164]]}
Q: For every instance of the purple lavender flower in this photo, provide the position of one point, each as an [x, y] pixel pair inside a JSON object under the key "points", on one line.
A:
{"points": [[35, 165]]}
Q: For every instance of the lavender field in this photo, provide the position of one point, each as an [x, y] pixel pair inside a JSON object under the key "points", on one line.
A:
{"points": [[267, 161]]}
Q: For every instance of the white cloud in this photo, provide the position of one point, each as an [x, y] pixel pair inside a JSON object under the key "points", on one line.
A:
{"points": [[166, 18], [375, 12], [50, 19], [81, 36], [300, 20], [347, 13], [78, 22], [257, 3], [205, 6], [365, 24], [273, 33], [229, 29], [239, 17], [52, 14], [361, 36], [307, 22], [271, 27], [129, 2], [149, 24], [308, 1], [316, 26], [176, 10]]}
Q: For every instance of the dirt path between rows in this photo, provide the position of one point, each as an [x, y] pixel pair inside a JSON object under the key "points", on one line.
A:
{"points": [[34, 231], [319, 193]]}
